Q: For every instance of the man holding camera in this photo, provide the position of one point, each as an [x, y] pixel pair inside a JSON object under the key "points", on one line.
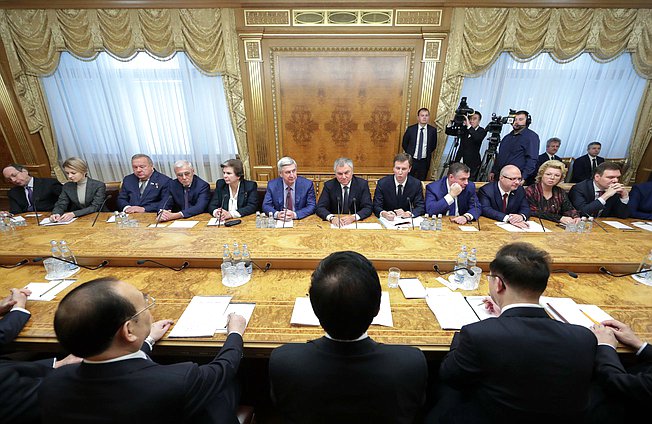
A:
{"points": [[470, 142], [519, 148]]}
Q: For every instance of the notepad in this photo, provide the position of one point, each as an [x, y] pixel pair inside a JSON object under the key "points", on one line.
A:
{"points": [[183, 224], [47, 222], [533, 227], [477, 304], [401, 223], [244, 309], [412, 288], [284, 224], [450, 308], [647, 226], [565, 309], [159, 225], [617, 224], [468, 228], [303, 314], [202, 317], [47, 291]]}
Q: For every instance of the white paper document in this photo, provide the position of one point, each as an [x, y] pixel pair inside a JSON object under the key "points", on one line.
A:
{"points": [[412, 288], [565, 309], [477, 304], [451, 309], [284, 224], [159, 225], [202, 317], [47, 222], [401, 223], [17, 219], [302, 314], [47, 291], [447, 283], [533, 227], [468, 228], [111, 219], [643, 225], [214, 222], [617, 224], [361, 226], [183, 224], [244, 309]]}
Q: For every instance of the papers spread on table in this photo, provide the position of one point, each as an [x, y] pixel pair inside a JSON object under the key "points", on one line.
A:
{"points": [[401, 223], [284, 224], [214, 222], [361, 226], [244, 309], [183, 224], [47, 222], [468, 228], [617, 224], [533, 227], [17, 219], [448, 283], [412, 288], [567, 310], [477, 304], [47, 291], [159, 225], [450, 308], [302, 314], [204, 316], [643, 225]]}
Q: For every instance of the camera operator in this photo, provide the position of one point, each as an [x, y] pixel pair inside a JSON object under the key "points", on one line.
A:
{"points": [[470, 142], [519, 148]]}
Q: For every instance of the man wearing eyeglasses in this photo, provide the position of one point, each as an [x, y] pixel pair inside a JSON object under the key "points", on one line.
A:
{"points": [[504, 200], [108, 323], [189, 194], [523, 366]]}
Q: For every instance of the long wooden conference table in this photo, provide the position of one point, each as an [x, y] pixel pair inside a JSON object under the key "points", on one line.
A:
{"points": [[293, 252]]}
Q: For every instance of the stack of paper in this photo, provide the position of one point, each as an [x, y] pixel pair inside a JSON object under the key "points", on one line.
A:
{"points": [[643, 225], [401, 223], [206, 315], [533, 227], [302, 314], [617, 224], [46, 221], [566, 310], [47, 291], [183, 224], [450, 308], [412, 288]]}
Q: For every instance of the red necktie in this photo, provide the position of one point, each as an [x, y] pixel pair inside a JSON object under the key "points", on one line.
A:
{"points": [[505, 202], [289, 204]]}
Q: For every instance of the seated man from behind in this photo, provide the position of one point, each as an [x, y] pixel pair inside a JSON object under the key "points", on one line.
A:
{"points": [[106, 322], [396, 195], [143, 190], [601, 195], [28, 193], [345, 376], [504, 200], [454, 195], [289, 196], [189, 194], [523, 366]]}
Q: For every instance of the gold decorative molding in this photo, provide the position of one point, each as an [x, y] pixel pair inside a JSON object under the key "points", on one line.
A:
{"points": [[14, 122], [431, 50], [252, 50], [279, 17], [418, 17], [343, 17]]}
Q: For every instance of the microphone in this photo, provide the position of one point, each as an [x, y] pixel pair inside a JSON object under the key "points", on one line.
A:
{"points": [[411, 209], [183, 266], [100, 209], [542, 227], [265, 269], [158, 216], [436, 268], [38, 221], [339, 210], [92, 268], [16, 265], [284, 212], [355, 212], [596, 220], [219, 218], [570, 273], [475, 206], [606, 271]]}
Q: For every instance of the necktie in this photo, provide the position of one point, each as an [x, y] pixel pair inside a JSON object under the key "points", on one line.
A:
{"points": [[30, 199], [505, 202], [400, 192], [141, 187], [185, 197], [594, 165], [420, 146], [345, 200], [599, 193], [289, 204]]}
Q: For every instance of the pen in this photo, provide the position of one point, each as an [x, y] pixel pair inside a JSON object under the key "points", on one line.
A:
{"points": [[51, 288], [589, 317], [557, 313]]}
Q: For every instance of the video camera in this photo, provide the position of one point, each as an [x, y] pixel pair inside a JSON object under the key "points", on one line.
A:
{"points": [[497, 122], [456, 126]]}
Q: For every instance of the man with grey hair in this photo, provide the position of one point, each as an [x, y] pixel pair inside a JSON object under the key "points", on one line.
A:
{"points": [[289, 196], [552, 147], [145, 189], [30, 193], [189, 194], [345, 198]]}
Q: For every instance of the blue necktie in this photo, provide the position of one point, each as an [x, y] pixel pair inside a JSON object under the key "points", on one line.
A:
{"points": [[185, 197]]}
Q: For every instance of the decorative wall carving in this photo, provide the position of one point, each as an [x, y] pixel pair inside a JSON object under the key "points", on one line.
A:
{"points": [[267, 17]]}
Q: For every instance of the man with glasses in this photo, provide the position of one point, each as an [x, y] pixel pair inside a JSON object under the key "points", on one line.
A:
{"points": [[189, 194], [108, 323], [504, 200], [523, 366]]}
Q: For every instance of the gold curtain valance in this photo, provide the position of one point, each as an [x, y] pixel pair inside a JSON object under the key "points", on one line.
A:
{"points": [[479, 35], [34, 40]]}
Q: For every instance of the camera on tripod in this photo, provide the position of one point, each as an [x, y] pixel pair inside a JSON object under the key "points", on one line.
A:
{"points": [[497, 122], [456, 126]]}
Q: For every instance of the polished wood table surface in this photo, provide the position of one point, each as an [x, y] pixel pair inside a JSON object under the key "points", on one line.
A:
{"points": [[293, 252]]}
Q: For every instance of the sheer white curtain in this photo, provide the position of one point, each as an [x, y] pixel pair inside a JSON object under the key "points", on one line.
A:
{"points": [[579, 101], [106, 110]]}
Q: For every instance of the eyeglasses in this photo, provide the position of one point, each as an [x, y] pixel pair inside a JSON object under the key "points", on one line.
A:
{"points": [[519, 179], [490, 276], [150, 302]]}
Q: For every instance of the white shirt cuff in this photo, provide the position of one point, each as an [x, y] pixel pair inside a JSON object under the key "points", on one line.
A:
{"points": [[236, 214], [601, 200], [19, 309], [625, 200], [640, 350], [506, 218], [449, 199]]}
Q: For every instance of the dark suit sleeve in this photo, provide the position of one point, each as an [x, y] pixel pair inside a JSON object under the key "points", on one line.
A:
{"points": [[584, 201], [636, 198], [11, 325], [202, 200], [123, 196], [406, 141], [218, 196], [435, 206], [417, 201], [379, 199], [462, 365], [524, 207], [15, 202], [485, 203], [64, 200], [324, 202], [616, 380], [19, 383], [476, 136], [251, 199], [268, 203], [98, 192], [311, 202], [366, 206], [474, 204]]}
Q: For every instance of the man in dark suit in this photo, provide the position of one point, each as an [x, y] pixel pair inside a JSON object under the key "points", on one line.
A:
{"points": [[190, 194], [522, 366], [397, 194], [419, 141], [640, 201], [552, 147], [143, 190], [471, 140], [289, 196], [626, 393], [345, 198], [346, 377], [519, 148], [504, 200], [454, 195], [601, 195], [584, 167], [30, 191], [107, 321]]}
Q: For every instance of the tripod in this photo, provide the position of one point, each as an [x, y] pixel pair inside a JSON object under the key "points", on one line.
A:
{"points": [[451, 155], [488, 157]]}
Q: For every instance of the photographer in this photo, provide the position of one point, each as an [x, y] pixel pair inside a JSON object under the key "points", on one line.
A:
{"points": [[519, 148], [470, 142]]}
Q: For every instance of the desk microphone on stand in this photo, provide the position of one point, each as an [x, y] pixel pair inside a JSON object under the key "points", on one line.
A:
{"points": [[38, 221], [16, 265], [339, 210], [100, 209], [606, 271], [183, 266], [411, 213], [219, 218], [436, 268], [355, 213], [158, 217], [475, 205]]}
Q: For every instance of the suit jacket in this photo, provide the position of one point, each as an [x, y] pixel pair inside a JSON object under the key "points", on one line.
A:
{"points": [[385, 198], [469, 150], [582, 168], [521, 367], [69, 202], [156, 191], [467, 201], [614, 378], [325, 381], [543, 157], [305, 200], [359, 189], [640, 201], [492, 202], [19, 383], [582, 195], [12, 324], [198, 197], [411, 139], [45, 194], [247, 197], [141, 391]]}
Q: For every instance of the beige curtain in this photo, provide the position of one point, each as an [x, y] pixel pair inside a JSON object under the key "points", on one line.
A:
{"points": [[479, 36], [34, 39]]}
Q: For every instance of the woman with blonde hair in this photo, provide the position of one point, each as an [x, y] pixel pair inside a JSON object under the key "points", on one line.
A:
{"points": [[546, 199], [81, 195]]}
